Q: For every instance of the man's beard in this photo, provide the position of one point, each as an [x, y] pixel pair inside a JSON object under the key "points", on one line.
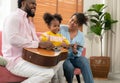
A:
{"points": [[30, 13]]}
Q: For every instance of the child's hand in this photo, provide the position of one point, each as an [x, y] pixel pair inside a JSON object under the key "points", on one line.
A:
{"points": [[64, 45]]}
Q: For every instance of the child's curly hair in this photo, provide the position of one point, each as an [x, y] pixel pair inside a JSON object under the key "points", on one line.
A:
{"points": [[49, 17]]}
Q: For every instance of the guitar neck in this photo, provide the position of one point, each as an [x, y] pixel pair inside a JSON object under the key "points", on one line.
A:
{"points": [[58, 48], [71, 45]]}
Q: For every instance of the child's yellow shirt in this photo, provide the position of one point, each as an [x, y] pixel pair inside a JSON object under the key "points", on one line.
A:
{"points": [[56, 39]]}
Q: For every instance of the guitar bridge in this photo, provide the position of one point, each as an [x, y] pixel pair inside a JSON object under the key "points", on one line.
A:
{"points": [[57, 48]]}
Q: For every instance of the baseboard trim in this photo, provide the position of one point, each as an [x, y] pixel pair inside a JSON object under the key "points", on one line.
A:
{"points": [[114, 76]]}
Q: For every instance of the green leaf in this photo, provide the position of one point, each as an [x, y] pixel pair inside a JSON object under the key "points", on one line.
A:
{"points": [[94, 20], [97, 8], [94, 16], [96, 29], [108, 21]]}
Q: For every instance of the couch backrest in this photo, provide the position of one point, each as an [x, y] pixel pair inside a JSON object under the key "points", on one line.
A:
{"points": [[0, 42]]}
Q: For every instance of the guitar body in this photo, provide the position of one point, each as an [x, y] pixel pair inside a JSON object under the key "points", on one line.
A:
{"points": [[44, 57]]}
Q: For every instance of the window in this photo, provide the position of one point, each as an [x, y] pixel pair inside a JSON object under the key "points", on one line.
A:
{"points": [[64, 7]]}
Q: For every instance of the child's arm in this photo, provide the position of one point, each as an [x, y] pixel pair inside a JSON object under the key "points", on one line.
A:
{"points": [[65, 43], [43, 37]]}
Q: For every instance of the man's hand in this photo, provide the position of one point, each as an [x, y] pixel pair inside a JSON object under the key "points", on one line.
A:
{"points": [[46, 45]]}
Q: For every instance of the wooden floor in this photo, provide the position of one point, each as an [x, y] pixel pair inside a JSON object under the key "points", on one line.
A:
{"points": [[96, 80]]}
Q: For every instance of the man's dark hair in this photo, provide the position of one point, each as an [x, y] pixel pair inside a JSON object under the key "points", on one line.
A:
{"points": [[19, 3]]}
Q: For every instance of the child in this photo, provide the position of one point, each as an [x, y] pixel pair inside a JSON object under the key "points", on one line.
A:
{"points": [[53, 23]]}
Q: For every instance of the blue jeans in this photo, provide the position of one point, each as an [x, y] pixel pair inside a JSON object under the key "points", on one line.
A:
{"points": [[78, 62]]}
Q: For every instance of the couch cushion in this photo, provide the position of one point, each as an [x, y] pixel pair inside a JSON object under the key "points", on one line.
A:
{"points": [[7, 77]]}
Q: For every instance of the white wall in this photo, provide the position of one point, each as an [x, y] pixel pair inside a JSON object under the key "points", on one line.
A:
{"points": [[6, 6], [5, 9], [13, 5]]}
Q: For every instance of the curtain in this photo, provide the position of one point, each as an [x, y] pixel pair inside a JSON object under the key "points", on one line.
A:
{"points": [[112, 46], [64, 7]]}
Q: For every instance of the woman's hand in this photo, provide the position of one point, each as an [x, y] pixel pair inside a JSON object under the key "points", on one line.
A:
{"points": [[77, 71], [74, 48]]}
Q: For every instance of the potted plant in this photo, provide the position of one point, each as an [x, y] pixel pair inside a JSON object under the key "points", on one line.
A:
{"points": [[100, 22]]}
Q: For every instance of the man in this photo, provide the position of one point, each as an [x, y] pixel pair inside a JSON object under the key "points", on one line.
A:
{"points": [[18, 33]]}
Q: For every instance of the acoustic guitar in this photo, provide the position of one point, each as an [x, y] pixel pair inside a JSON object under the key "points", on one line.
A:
{"points": [[44, 57]]}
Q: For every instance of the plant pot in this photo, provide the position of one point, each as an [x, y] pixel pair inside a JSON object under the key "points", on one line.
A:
{"points": [[100, 66]]}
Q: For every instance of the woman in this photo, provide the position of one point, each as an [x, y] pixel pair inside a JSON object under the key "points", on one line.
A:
{"points": [[75, 60]]}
